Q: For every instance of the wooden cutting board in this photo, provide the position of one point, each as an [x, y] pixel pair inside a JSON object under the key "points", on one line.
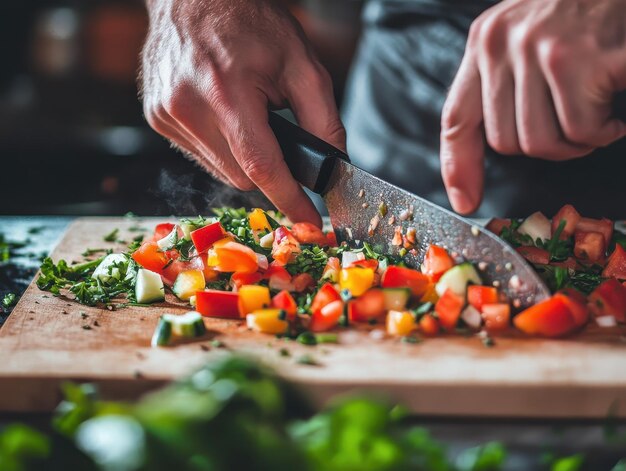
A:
{"points": [[49, 340]]}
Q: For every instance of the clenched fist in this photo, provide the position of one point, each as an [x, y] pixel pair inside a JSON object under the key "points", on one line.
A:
{"points": [[211, 71], [538, 78]]}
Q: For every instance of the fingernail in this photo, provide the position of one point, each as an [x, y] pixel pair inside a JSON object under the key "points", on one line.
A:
{"points": [[460, 200]]}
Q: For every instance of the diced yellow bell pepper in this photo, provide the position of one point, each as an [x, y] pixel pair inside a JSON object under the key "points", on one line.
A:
{"points": [[400, 323], [187, 283], [252, 298], [212, 258], [258, 221], [356, 279], [430, 296], [268, 321]]}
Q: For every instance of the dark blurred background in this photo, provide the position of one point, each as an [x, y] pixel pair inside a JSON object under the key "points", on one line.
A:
{"points": [[72, 136]]}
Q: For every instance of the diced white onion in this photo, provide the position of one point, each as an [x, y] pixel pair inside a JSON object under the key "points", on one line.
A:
{"points": [[267, 240], [472, 317], [348, 258], [262, 261], [606, 321]]}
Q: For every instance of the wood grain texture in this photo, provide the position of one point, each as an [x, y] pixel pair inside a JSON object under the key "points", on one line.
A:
{"points": [[44, 343]]}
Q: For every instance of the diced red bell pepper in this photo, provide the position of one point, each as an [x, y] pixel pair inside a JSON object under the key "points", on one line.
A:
{"points": [[284, 300], [603, 226], [307, 233], [571, 217], [369, 263], [206, 236], [496, 225], [233, 257], [534, 255], [150, 257], [448, 309], [497, 316], [401, 277], [437, 261], [215, 303], [477, 295], [549, 318], [371, 305], [428, 325], [609, 299], [326, 294], [279, 278], [616, 265], [162, 230], [327, 317], [577, 304], [237, 279], [589, 246]]}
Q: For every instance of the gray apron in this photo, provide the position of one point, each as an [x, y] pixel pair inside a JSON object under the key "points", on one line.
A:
{"points": [[409, 53]]}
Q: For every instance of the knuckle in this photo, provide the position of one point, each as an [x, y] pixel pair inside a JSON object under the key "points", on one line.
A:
{"points": [[522, 40], [242, 184], [501, 144], [490, 36], [555, 55], [259, 169]]}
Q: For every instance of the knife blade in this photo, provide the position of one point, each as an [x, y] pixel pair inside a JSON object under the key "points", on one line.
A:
{"points": [[364, 208]]}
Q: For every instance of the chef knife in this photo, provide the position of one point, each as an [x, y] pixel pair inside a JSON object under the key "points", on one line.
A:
{"points": [[364, 208]]}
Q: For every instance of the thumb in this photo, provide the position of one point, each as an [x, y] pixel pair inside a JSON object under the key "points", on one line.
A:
{"points": [[312, 101], [462, 142]]}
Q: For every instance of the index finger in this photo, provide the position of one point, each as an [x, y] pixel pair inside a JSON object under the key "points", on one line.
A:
{"points": [[256, 149], [462, 142]]}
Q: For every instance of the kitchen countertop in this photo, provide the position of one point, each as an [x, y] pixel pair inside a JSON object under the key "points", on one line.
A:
{"points": [[526, 440]]}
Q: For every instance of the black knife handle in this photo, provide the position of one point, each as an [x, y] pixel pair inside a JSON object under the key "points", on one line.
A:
{"points": [[310, 159]]}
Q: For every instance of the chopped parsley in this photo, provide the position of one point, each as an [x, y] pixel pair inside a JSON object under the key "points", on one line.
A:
{"points": [[112, 236]]}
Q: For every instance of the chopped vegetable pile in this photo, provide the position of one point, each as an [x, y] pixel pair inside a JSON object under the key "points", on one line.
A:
{"points": [[292, 280]]}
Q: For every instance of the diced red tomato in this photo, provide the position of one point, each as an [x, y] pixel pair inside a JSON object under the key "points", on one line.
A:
{"points": [[215, 303], [609, 299], [448, 309], [279, 278], [150, 257], [436, 262], [616, 265], [326, 294], [496, 225], [577, 305], [302, 282], [549, 318], [206, 236], [327, 317], [401, 277], [162, 230], [571, 217], [534, 255], [477, 296], [307, 233], [285, 247], [370, 305], [332, 269], [237, 279], [235, 257], [497, 316], [603, 226], [428, 325], [589, 246], [284, 300], [331, 239]]}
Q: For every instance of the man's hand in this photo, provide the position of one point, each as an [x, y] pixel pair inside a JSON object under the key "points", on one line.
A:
{"points": [[211, 70], [538, 78]]}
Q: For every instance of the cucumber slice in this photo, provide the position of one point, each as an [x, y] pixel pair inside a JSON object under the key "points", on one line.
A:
{"points": [[537, 226], [169, 241], [187, 229], [396, 299], [457, 278], [149, 287], [188, 325], [187, 283], [113, 267], [163, 332]]}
